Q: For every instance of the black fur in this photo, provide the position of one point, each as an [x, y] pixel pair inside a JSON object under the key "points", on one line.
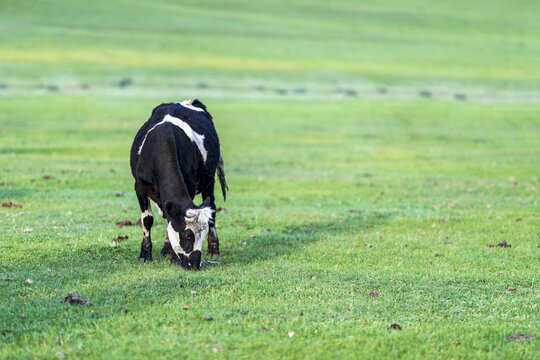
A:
{"points": [[191, 262], [167, 248], [148, 221]]}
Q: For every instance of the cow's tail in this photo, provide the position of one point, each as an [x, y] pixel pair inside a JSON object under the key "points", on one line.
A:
{"points": [[221, 176]]}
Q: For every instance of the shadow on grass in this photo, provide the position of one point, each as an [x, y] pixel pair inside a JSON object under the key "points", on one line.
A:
{"points": [[294, 238], [79, 261], [100, 272]]}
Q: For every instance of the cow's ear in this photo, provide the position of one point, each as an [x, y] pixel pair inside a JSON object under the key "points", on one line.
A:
{"points": [[173, 210]]}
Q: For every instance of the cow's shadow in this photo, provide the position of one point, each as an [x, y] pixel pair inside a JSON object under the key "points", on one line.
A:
{"points": [[267, 245], [294, 238], [101, 272]]}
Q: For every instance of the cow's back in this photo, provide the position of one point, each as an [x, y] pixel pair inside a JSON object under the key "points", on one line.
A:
{"points": [[157, 115], [196, 170]]}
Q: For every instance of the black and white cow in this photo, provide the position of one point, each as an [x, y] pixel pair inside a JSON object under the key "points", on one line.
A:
{"points": [[175, 156]]}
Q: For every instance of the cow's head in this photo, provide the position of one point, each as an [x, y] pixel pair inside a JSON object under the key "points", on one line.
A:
{"points": [[187, 230]]}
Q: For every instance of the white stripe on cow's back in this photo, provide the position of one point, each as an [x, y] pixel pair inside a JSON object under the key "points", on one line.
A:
{"points": [[195, 137]]}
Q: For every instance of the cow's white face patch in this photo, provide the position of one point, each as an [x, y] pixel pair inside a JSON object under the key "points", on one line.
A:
{"points": [[197, 221], [196, 138], [174, 239]]}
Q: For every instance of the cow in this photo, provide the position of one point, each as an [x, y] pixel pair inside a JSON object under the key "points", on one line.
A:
{"points": [[175, 156]]}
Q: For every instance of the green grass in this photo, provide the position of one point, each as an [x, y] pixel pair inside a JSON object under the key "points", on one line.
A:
{"points": [[316, 172]]}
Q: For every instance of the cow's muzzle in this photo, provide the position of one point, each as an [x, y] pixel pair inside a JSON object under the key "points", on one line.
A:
{"points": [[191, 262]]}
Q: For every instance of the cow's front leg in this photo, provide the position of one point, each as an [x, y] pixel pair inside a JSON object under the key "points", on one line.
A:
{"points": [[147, 220]]}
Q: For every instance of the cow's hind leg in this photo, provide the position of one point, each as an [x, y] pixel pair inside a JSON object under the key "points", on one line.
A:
{"points": [[147, 220], [167, 247], [213, 240]]}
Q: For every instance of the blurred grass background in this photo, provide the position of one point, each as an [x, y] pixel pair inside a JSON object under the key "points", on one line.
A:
{"points": [[266, 48]]}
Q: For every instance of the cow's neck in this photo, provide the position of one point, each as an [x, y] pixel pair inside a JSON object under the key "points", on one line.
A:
{"points": [[173, 188]]}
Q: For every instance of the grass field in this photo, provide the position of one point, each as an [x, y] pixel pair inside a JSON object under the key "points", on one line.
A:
{"points": [[372, 150]]}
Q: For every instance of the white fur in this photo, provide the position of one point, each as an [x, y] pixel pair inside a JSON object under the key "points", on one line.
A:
{"points": [[174, 239], [143, 215], [202, 216], [195, 137], [197, 221], [160, 212], [187, 103]]}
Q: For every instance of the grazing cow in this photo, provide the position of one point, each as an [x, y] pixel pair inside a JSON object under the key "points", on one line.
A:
{"points": [[175, 156]]}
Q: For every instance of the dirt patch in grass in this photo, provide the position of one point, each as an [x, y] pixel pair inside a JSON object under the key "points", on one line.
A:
{"points": [[73, 298], [120, 238], [520, 337], [9, 204], [502, 244], [124, 223]]}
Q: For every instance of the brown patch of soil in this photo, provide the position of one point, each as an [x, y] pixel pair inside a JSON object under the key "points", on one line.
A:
{"points": [[73, 298], [124, 223], [502, 244], [9, 204], [520, 337]]}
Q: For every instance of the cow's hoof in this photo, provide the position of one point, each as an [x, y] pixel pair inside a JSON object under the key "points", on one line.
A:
{"points": [[213, 252], [143, 260]]}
